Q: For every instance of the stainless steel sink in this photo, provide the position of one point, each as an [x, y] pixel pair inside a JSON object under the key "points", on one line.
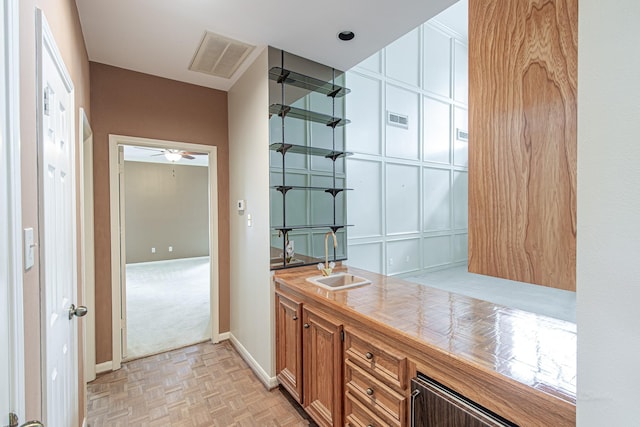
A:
{"points": [[338, 281]]}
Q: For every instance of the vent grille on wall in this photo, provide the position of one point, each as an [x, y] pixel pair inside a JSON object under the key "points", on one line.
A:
{"points": [[398, 120], [219, 56]]}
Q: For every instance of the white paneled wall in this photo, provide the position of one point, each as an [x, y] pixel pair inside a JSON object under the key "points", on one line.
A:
{"points": [[409, 204]]}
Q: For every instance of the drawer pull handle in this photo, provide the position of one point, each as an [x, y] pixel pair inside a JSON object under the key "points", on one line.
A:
{"points": [[369, 355], [306, 326], [295, 317], [370, 425], [370, 391]]}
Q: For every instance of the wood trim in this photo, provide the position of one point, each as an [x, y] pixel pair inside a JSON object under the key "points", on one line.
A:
{"points": [[523, 130]]}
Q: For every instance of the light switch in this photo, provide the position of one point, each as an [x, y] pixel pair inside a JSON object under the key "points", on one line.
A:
{"points": [[170, 248], [153, 250], [29, 249], [249, 221]]}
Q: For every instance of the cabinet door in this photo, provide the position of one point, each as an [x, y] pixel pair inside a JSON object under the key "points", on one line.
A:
{"points": [[322, 368], [289, 345]]}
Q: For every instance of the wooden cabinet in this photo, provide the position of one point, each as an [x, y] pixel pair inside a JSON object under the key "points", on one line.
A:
{"points": [[322, 367], [376, 382], [289, 345], [309, 359]]}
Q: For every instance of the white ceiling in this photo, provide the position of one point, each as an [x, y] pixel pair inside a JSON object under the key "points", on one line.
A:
{"points": [[160, 37]]}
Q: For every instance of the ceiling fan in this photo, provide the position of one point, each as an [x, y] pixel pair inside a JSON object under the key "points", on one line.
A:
{"points": [[174, 155]]}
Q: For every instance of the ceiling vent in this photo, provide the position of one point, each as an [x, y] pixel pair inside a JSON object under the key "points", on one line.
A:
{"points": [[219, 56]]}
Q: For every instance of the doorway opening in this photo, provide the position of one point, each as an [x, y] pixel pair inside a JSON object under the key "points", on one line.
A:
{"points": [[164, 245]]}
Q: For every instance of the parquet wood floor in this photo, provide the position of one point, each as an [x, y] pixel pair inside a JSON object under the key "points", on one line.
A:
{"points": [[204, 385]]}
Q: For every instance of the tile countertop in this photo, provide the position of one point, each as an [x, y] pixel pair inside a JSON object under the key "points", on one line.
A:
{"points": [[531, 349]]}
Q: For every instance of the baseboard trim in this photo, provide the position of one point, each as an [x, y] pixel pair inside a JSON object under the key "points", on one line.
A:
{"points": [[269, 382], [103, 367], [223, 336]]}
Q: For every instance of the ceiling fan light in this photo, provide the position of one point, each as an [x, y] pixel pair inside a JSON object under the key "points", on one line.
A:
{"points": [[172, 156]]}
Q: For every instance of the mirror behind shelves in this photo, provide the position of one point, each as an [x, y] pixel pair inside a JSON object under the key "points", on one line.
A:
{"points": [[306, 187]]}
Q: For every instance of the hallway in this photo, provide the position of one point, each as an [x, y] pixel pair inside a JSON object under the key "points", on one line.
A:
{"points": [[201, 385]]}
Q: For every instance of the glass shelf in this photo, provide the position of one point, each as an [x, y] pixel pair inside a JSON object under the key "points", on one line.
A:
{"points": [[333, 191], [287, 228], [282, 75], [298, 113], [283, 148]]}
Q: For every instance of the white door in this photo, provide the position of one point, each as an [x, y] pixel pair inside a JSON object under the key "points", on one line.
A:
{"points": [[57, 232], [11, 345]]}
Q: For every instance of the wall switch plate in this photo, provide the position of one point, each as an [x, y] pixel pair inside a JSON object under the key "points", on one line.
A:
{"points": [[249, 221], [29, 249], [240, 205], [170, 248], [153, 250]]}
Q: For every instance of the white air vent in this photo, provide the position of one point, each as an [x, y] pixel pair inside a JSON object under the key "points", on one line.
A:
{"points": [[462, 135], [399, 120], [219, 56]]}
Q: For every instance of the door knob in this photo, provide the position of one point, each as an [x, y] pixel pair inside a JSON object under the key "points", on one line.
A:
{"points": [[78, 311]]}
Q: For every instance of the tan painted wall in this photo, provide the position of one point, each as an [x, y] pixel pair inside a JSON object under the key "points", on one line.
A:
{"points": [[128, 103], [166, 205], [62, 17]]}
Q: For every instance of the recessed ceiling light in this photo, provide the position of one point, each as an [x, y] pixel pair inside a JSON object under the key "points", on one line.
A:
{"points": [[345, 36]]}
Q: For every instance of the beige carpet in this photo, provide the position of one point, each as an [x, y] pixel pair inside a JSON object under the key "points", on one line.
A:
{"points": [[167, 305]]}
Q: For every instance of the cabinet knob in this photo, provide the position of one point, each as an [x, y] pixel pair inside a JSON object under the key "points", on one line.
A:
{"points": [[295, 317], [370, 391], [369, 355], [306, 326]]}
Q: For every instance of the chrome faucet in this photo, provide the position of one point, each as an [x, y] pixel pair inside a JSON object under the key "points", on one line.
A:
{"points": [[328, 268]]}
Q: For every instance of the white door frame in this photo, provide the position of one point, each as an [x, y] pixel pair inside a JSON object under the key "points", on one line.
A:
{"points": [[11, 199], [45, 42], [116, 264], [87, 241]]}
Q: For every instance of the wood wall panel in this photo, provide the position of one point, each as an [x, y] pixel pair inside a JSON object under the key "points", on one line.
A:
{"points": [[522, 152]]}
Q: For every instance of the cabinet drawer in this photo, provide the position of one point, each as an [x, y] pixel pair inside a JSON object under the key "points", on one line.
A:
{"points": [[358, 415], [377, 358], [379, 398]]}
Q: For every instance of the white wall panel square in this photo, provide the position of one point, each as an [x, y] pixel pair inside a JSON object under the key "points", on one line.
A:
{"points": [[372, 63], [402, 199], [437, 131], [403, 256], [364, 109], [461, 73], [436, 186], [400, 142], [437, 251], [437, 61], [460, 147], [403, 58], [460, 199], [460, 247], [365, 201], [367, 256]]}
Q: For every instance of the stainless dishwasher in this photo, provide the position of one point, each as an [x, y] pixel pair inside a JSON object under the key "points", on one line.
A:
{"points": [[434, 405]]}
